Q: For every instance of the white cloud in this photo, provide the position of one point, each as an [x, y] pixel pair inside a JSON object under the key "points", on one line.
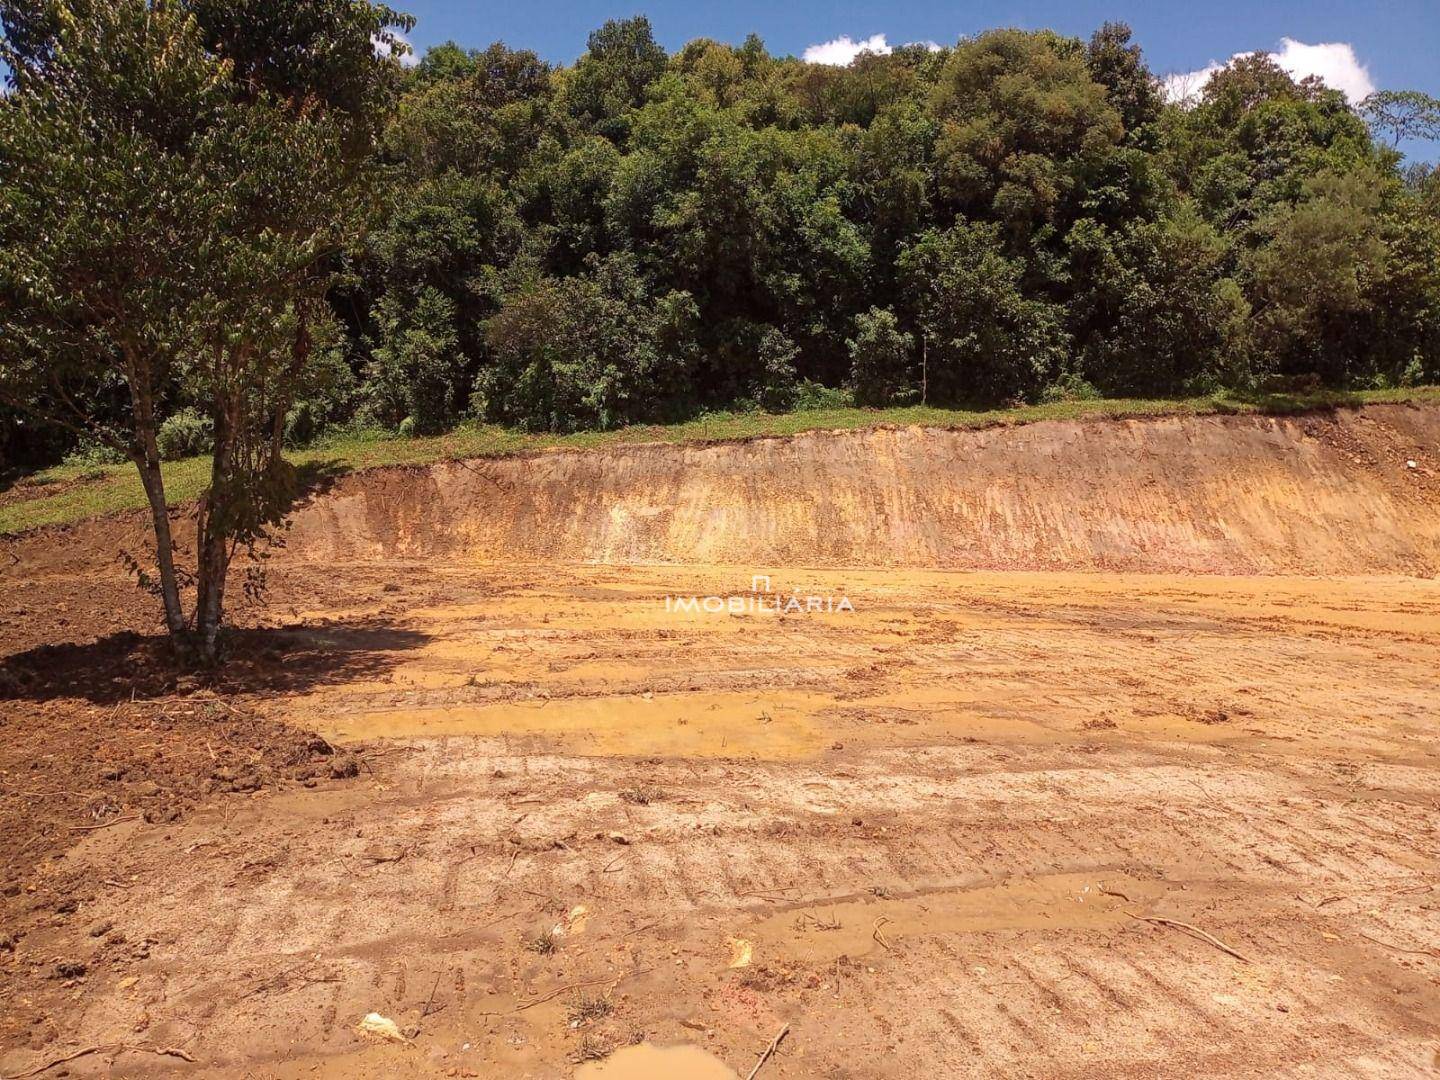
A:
{"points": [[1334, 62], [842, 50], [1186, 85], [409, 58]]}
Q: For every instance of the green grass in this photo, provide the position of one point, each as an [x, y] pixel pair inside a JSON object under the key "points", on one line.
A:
{"points": [[85, 492]]}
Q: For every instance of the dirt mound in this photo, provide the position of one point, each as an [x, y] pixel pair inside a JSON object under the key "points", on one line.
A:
{"points": [[1354, 491]]}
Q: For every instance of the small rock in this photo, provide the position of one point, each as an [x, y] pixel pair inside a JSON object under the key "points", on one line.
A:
{"points": [[70, 969], [344, 766], [145, 789], [101, 928], [249, 781]]}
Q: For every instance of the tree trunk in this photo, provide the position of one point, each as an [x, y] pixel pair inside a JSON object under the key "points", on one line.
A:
{"points": [[154, 486], [147, 460], [214, 564], [212, 546]]}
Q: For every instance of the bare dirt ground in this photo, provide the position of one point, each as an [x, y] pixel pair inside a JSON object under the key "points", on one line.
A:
{"points": [[1018, 823], [934, 819]]}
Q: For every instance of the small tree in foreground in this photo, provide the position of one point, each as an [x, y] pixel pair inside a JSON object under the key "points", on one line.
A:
{"points": [[168, 230]]}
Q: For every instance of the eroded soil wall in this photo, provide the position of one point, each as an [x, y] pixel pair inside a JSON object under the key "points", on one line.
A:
{"points": [[1325, 494]]}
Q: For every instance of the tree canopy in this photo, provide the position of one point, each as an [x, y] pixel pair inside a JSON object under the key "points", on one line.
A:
{"points": [[643, 235], [1017, 215]]}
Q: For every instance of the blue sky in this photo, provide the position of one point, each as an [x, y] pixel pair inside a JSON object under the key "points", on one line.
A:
{"points": [[1396, 42]]}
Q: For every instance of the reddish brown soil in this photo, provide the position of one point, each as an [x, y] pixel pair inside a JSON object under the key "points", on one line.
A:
{"points": [[942, 826], [104, 730]]}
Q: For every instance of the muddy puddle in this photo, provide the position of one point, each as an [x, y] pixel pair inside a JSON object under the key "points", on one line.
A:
{"points": [[647, 1062], [822, 932], [769, 724]]}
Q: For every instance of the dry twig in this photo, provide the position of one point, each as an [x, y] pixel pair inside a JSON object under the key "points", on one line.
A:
{"points": [[162, 1051], [1399, 948], [1193, 930], [104, 824], [877, 935], [553, 994], [775, 1042]]}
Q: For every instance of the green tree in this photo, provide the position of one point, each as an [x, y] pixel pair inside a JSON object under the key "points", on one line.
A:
{"points": [[594, 350], [621, 60], [984, 340], [882, 360], [1153, 310], [1118, 66], [1314, 277], [1024, 125], [171, 228], [1403, 114]]}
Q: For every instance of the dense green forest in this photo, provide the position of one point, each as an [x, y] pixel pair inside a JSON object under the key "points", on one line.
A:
{"points": [[645, 236]]}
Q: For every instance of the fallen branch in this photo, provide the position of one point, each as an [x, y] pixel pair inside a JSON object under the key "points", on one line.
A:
{"points": [[166, 1051], [1195, 931], [1399, 948], [775, 1042], [104, 824], [425, 1010]]}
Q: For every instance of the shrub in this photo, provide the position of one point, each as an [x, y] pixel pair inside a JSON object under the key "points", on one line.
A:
{"points": [[185, 433], [882, 360], [1069, 387], [811, 395], [418, 370], [986, 341], [778, 384], [90, 455], [598, 350]]}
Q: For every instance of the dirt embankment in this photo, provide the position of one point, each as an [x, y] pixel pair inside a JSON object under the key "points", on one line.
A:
{"points": [[1355, 491]]}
